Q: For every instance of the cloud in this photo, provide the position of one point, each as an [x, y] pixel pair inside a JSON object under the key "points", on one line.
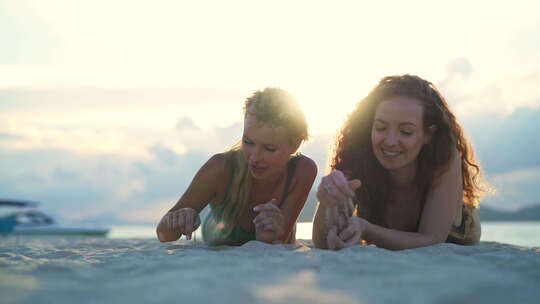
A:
{"points": [[136, 179], [80, 140], [205, 140], [186, 123], [78, 186], [131, 153], [26, 40], [524, 43], [93, 171], [9, 137], [505, 143], [459, 67], [518, 176], [106, 121], [84, 98], [471, 93], [516, 189], [169, 48]]}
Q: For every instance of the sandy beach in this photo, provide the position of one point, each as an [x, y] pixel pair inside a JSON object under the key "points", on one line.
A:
{"points": [[145, 271]]}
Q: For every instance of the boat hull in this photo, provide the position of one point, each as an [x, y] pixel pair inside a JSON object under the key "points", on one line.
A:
{"points": [[60, 231]]}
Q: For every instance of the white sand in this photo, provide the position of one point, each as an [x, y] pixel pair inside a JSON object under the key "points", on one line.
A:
{"points": [[146, 271]]}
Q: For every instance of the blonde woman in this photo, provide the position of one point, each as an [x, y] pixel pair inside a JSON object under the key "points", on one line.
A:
{"points": [[257, 189]]}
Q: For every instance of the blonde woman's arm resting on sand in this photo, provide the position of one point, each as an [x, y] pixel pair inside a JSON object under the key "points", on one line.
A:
{"points": [[183, 218]]}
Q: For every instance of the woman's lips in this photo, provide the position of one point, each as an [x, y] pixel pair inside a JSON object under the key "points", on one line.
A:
{"points": [[256, 168], [390, 154]]}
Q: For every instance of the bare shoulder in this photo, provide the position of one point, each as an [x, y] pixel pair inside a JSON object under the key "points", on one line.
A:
{"points": [[306, 169], [214, 167], [204, 185]]}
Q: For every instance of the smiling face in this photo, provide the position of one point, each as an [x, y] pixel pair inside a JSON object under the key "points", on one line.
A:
{"points": [[267, 149], [398, 134]]}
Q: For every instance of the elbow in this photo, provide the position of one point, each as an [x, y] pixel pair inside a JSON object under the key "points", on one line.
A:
{"points": [[434, 239], [439, 240]]}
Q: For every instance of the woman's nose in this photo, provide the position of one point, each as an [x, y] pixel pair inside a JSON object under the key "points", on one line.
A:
{"points": [[391, 138], [255, 155]]}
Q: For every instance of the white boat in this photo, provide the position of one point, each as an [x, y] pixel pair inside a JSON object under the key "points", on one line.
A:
{"points": [[26, 220]]}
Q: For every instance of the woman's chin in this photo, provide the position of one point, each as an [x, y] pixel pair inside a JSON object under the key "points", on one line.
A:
{"points": [[256, 174]]}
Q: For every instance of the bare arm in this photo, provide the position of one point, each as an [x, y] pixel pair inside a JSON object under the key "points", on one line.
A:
{"points": [[436, 219], [201, 191], [334, 189], [304, 175], [320, 229]]}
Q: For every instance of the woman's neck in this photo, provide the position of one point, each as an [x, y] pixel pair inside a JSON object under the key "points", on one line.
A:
{"points": [[403, 178], [268, 183]]}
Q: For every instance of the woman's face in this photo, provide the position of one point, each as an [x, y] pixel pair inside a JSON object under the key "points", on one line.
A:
{"points": [[267, 149], [397, 134]]}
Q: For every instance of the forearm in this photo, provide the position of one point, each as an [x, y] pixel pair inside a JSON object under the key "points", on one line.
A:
{"points": [[268, 236], [276, 236], [320, 229], [274, 225], [396, 239]]}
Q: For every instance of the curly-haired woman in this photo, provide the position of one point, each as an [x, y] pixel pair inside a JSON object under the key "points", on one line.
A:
{"points": [[403, 160]]}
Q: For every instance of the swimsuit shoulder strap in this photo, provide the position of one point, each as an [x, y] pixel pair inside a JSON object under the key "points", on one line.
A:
{"points": [[291, 166]]}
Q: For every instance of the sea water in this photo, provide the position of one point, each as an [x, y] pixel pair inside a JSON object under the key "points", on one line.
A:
{"points": [[515, 233]]}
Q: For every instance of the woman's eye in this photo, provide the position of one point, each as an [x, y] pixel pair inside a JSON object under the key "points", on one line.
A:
{"points": [[406, 133], [379, 129], [247, 142]]}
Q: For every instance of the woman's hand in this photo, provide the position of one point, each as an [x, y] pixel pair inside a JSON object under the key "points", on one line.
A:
{"points": [[183, 221], [269, 222], [335, 188], [349, 236]]}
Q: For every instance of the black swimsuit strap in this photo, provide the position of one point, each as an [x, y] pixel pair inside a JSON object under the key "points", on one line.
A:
{"points": [[291, 166]]}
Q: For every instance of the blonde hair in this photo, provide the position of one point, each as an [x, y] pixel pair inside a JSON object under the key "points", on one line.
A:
{"points": [[278, 108], [223, 218]]}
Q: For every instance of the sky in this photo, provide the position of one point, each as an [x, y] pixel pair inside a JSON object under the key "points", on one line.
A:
{"points": [[108, 108]]}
